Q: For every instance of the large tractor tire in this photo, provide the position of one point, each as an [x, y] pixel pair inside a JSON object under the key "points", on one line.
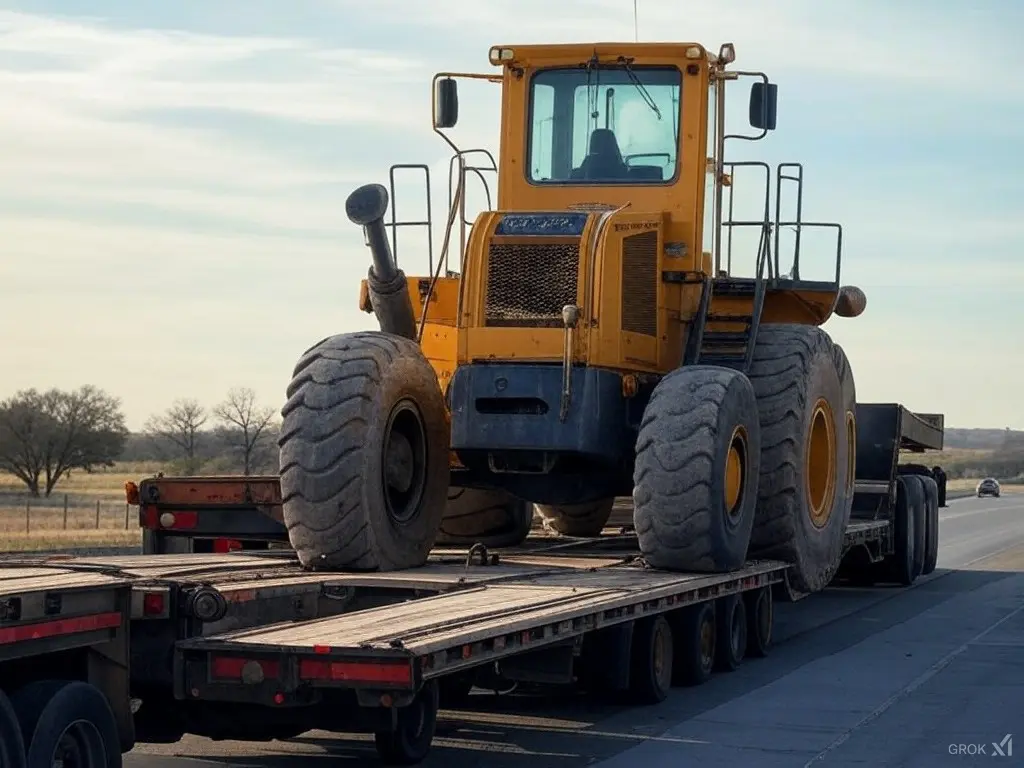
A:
{"points": [[493, 518], [695, 477], [583, 520], [364, 454], [803, 503]]}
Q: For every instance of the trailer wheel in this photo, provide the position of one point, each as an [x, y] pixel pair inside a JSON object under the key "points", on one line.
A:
{"points": [[760, 620], [849, 390], [409, 741], [918, 502], [650, 673], [931, 549], [694, 658], [900, 564], [732, 633], [493, 518], [12, 745], [802, 509], [364, 454], [583, 520], [67, 723], [696, 470]]}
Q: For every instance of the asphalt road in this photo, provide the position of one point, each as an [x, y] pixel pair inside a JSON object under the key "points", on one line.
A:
{"points": [[928, 676]]}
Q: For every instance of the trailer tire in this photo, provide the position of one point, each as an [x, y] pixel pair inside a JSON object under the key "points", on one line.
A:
{"points": [[802, 510], [694, 632], [849, 390], [918, 501], [577, 520], [931, 547], [50, 710], [494, 518], [760, 621], [364, 454], [732, 633], [900, 564], [12, 744], [940, 480], [409, 741], [650, 667], [696, 471]]}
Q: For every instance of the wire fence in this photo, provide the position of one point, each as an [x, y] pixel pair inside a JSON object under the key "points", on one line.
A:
{"points": [[67, 514]]}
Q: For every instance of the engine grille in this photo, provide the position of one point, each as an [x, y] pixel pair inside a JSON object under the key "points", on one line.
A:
{"points": [[640, 283], [528, 285]]}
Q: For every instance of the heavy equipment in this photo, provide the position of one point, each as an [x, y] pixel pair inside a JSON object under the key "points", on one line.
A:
{"points": [[594, 342]]}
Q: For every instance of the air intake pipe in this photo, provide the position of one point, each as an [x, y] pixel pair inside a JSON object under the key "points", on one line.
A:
{"points": [[386, 283]]}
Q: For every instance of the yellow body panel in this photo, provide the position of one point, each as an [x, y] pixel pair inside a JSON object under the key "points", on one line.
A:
{"points": [[637, 269]]}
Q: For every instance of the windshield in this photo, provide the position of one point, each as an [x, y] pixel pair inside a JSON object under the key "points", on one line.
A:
{"points": [[604, 125]]}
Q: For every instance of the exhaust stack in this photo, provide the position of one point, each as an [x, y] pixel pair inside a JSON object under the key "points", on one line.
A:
{"points": [[386, 283]]}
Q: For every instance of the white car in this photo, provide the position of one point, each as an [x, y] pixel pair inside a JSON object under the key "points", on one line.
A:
{"points": [[988, 487]]}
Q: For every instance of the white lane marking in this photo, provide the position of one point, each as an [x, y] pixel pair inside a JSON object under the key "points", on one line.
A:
{"points": [[927, 675]]}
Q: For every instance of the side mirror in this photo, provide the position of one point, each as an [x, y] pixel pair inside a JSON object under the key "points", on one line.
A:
{"points": [[763, 105], [446, 103]]}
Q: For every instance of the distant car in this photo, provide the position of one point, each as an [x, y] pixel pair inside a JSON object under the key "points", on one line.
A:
{"points": [[988, 487]]}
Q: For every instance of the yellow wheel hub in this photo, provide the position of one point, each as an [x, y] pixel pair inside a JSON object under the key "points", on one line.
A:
{"points": [[820, 472], [735, 471]]}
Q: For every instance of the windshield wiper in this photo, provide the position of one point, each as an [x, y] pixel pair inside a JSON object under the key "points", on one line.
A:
{"points": [[644, 94]]}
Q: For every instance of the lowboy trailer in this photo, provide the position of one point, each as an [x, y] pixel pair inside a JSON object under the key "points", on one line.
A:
{"points": [[249, 645]]}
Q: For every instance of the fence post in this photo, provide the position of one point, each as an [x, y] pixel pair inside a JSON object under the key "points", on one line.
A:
{"points": [[97, 514], [65, 511], [127, 513], [28, 516]]}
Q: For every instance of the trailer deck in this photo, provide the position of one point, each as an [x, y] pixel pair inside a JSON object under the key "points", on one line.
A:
{"points": [[398, 647], [45, 609]]}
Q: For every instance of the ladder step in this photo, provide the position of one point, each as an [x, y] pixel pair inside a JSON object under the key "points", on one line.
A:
{"points": [[726, 318], [726, 337], [733, 286]]}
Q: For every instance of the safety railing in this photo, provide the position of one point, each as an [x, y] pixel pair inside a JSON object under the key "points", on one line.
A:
{"points": [[459, 171], [771, 223]]}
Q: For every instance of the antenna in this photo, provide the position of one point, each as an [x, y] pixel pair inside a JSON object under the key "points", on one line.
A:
{"points": [[636, 25]]}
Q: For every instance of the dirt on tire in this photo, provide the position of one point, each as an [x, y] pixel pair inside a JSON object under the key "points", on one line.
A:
{"points": [[352, 397], [684, 520]]}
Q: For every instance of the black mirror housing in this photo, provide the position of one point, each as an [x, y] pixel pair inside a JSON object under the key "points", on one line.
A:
{"points": [[446, 103], [763, 105]]}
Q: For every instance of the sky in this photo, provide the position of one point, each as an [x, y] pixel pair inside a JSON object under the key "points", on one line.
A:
{"points": [[173, 176]]}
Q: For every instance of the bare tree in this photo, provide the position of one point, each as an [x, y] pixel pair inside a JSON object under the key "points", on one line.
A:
{"points": [[181, 426], [247, 422], [45, 435]]}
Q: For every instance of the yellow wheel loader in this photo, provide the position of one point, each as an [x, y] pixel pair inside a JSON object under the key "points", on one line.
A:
{"points": [[594, 342]]}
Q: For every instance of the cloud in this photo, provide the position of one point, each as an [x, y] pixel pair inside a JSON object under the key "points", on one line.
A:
{"points": [[173, 200]]}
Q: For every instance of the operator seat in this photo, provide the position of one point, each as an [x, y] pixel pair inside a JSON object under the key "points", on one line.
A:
{"points": [[604, 159]]}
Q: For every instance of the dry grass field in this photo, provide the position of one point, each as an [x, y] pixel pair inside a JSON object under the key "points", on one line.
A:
{"points": [[84, 510]]}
